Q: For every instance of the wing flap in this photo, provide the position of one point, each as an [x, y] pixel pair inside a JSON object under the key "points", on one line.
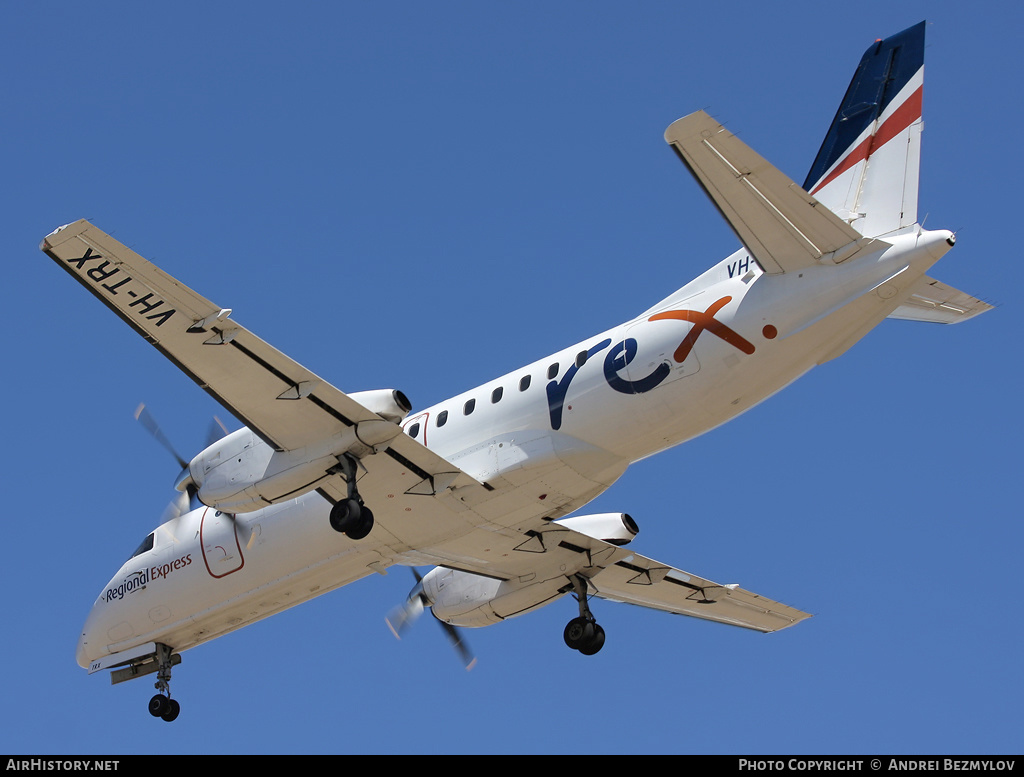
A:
{"points": [[783, 227]]}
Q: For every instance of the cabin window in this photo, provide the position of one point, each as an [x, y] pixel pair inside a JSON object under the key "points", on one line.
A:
{"points": [[442, 418], [581, 358], [414, 430], [469, 407], [524, 383], [552, 370], [496, 395]]}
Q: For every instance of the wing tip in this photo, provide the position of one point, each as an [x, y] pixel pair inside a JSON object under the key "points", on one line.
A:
{"points": [[688, 125]]}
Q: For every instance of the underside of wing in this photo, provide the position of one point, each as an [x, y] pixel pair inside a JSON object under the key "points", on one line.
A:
{"points": [[541, 563], [619, 574], [647, 583], [274, 396], [935, 302], [783, 227], [281, 401]]}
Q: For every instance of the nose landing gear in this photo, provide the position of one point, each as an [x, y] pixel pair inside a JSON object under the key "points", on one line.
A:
{"points": [[162, 705]]}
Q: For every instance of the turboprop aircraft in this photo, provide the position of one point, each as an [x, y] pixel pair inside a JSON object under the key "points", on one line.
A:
{"points": [[321, 488]]}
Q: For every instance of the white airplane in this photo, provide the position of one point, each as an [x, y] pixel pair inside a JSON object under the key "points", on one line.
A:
{"points": [[321, 488]]}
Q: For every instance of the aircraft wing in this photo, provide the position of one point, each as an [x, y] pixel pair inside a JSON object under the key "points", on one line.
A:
{"points": [[938, 303], [642, 581], [783, 227], [279, 399], [549, 552]]}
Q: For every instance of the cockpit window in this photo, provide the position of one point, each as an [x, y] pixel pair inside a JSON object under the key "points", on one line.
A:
{"points": [[147, 544]]}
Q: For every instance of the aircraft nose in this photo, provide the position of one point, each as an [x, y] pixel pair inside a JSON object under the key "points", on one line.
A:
{"points": [[80, 655], [82, 651]]}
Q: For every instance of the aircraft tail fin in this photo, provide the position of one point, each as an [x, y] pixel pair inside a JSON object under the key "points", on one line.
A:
{"points": [[866, 171]]}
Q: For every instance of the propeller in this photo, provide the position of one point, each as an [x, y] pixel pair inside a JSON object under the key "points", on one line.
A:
{"points": [[177, 507], [144, 417], [188, 499], [216, 431], [455, 637], [405, 614]]}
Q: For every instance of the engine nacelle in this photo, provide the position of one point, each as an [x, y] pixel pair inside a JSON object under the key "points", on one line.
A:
{"points": [[462, 598], [614, 528], [390, 404], [241, 473]]}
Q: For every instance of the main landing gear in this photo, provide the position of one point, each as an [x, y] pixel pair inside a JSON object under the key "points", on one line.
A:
{"points": [[162, 705], [350, 516], [583, 633]]}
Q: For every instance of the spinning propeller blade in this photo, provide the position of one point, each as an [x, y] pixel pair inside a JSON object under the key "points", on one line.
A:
{"points": [[455, 637], [216, 431], [143, 416], [188, 500], [177, 508], [405, 614]]}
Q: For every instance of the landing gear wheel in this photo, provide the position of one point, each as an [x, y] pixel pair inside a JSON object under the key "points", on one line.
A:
{"points": [[345, 515], [159, 706], [584, 635], [362, 526], [596, 642], [352, 519], [578, 632], [173, 708]]}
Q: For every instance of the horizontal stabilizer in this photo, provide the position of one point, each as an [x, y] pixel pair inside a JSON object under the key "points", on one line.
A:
{"points": [[938, 303], [783, 227]]}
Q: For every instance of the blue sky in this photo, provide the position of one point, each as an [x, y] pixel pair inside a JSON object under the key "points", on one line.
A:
{"points": [[426, 196]]}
